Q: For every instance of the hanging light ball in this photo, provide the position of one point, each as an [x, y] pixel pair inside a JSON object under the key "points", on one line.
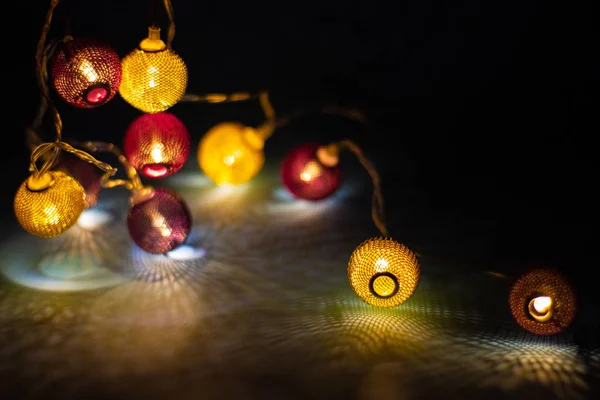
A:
{"points": [[159, 221], [48, 205], [231, 153], [154, 77], [157, 145], [309, 173], [383, 272], [542, 302], [86, 73], [83, 172]]}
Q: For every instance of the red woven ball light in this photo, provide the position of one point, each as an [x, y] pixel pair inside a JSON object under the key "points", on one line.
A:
{"points": [[160, 222], [86, 73], [85, 173], [306, 177], [157, 145]]}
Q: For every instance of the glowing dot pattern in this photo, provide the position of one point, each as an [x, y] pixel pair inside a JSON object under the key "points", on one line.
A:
{"points": [[160, 223], [86, 73], [304, 175], [153, 81], [157, 145], [50, 212], [383, 272], [543, 282]]}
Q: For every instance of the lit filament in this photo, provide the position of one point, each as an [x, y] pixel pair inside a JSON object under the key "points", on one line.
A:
{"points": [[311, 170], [381, 265], [540, 308], [52, 216], [87, 69], [160, 223], [152, 71], [157, 153], [230, 159]]}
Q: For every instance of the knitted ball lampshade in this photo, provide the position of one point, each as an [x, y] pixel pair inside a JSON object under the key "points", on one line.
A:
{"points": [[48, 205], [306, 177], [543, 302], [154, 77], [160, 222], [157, 145], [383, 272], [86, 72]]}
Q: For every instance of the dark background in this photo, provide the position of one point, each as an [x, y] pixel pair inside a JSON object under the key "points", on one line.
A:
{"points": [[480, 116]]}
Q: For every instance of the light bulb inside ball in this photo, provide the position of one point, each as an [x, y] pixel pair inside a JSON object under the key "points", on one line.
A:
{"points": [[311, 172], [86, 72], [231, 153], [543, 302], [540, 308], [48, 205], [154, 76], [383, 272], [157, 145], [158, 221]]}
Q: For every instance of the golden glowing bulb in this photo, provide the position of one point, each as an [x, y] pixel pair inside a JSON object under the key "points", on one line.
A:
{"points": [[383, 272], [311, 170], [540, 308], [157, 153], [231, 153], [154, 78], [160, 223], [48, 205], [87, 69]]}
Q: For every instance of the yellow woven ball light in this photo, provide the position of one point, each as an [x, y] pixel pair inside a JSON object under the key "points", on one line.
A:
{"points": [[154, 78], [231, 153], [48, 205], [383, 272]]}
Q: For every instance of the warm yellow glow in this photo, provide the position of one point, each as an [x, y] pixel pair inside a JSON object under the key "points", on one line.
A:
{"points": [[157, 153], [311, 170], [160, 223], [381, 265], [153, 81], [226, 156], [542, 304], [383, 272], [87, 69], [540, 308], [47, 211]]}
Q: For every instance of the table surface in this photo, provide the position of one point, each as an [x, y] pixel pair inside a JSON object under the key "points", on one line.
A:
{"points": [[257, 305]]}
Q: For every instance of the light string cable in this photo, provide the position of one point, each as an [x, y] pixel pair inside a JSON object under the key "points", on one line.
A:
{"points": [[377, 205], [265, 130], [170, 14], [40, 150]]}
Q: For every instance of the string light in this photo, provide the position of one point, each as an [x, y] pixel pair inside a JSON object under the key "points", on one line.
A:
{"points": [[157, 145], [86, 72], [48, 204], [154, 76], [158, 221], [543, 302], [383, 272], [310, 173], [50, 201], [232, 153]]}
